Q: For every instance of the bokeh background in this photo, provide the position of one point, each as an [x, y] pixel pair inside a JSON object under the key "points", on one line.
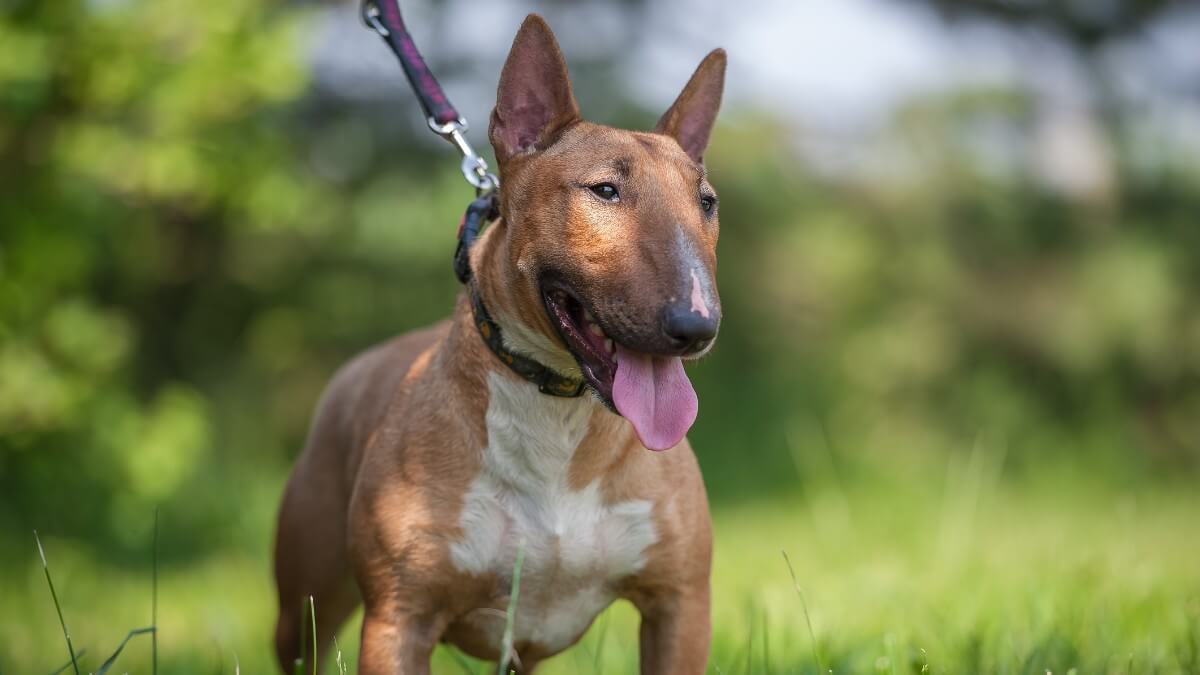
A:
{"points": [[957, 380]]}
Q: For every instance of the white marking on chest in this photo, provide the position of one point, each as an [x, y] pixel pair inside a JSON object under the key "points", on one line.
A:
{"points": [[576, 545]]}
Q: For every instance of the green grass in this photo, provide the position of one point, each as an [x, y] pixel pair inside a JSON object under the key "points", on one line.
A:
{"points": [[953, 575]]}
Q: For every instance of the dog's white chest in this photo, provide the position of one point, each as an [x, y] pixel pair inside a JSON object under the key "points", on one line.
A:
{"points": [[575, 545]]}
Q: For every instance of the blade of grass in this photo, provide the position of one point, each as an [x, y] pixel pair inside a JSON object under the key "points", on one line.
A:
{"points": [[58, 607], [804, 606], [68, 663], [510, 616], [312, 616], [337, 650], [113, 659], [154, 600]]}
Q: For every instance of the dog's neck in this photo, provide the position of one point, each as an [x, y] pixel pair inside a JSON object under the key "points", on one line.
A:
{"points": [[473, 362], [500, 291]]}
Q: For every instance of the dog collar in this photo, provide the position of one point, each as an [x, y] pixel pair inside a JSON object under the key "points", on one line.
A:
{"points": [[481, 211], [547, 380]]}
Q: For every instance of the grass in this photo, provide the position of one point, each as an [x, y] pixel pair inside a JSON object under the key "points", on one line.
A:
{"points": [[812, 634], [151, 630], [510, 615], [899, 576], [57, 606]]}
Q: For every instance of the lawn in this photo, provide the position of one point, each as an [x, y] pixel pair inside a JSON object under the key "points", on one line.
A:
{"points": [[911, 571]]}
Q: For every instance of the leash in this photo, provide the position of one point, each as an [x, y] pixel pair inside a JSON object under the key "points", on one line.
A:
{"points": [[383, 17]]}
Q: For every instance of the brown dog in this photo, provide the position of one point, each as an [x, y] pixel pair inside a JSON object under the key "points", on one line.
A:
{"points": [[433, 458]]}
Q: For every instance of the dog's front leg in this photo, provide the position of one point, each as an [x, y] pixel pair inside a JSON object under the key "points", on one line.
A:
{"points": [[397, 643], [675, 633]]}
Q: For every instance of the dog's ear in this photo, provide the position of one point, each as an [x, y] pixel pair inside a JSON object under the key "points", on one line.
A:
{"points": [[690, 118], [534, 102]]}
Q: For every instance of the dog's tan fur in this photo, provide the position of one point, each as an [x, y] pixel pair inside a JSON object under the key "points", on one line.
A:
{"points": [[401, 435]]}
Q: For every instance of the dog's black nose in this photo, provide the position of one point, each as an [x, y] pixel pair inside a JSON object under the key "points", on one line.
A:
{"points": [[689, 331]]}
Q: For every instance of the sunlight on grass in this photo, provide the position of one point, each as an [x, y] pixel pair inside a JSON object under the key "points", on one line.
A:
{"points": [[912, 579]]}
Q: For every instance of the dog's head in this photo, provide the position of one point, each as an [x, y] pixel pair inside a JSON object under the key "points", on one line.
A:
{"points": [[611, 236]]}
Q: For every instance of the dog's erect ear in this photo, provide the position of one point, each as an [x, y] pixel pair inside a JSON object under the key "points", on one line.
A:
{"points": [[534, 101], [690, 118]]}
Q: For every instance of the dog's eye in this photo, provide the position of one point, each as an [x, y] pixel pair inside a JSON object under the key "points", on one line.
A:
{"points": [[708, 203], [606, 191]]}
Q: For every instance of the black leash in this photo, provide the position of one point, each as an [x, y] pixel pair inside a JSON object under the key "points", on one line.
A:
{"points": [[383, 16]]}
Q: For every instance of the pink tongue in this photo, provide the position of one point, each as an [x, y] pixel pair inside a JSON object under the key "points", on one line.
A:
{"points": [[655, 395]]}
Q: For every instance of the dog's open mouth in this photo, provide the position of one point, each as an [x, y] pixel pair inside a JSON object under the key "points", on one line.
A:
{"points": [[651, 391], [592, 348]]}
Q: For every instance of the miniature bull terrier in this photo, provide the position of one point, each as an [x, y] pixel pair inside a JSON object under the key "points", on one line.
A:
{"points": [[547, 416]]}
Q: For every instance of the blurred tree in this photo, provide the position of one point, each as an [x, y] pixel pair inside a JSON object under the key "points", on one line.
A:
{"points": [[132, 136], [1095, 295], [191, 239]]}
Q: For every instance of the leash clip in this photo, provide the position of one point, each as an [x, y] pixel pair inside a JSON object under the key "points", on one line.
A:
{"points": [[383, 17], [474, 168], [369, 13]]}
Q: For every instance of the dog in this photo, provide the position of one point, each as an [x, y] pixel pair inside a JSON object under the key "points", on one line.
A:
{"points": [[545, 419]]}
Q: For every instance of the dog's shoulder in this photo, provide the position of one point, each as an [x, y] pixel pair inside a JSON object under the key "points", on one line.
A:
{"points": [[358, 397]]}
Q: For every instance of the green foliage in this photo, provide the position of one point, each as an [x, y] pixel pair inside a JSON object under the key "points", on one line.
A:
{"points": [[911, 313], [176, 280], [137, 140]]}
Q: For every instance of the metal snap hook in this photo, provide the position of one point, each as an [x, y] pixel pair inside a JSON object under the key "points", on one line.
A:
{"points": [[368, 12]]}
